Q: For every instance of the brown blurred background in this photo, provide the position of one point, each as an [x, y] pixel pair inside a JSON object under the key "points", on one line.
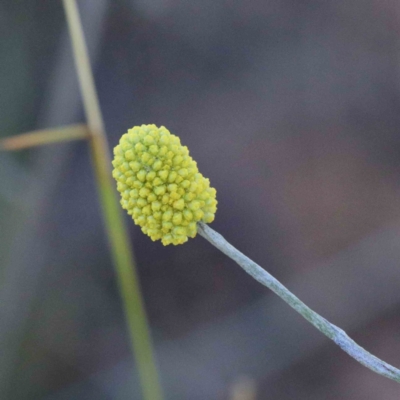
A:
{"points": [[292, 109]]}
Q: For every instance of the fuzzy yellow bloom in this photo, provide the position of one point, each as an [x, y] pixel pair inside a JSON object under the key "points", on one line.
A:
{"points": [[160, 185]]}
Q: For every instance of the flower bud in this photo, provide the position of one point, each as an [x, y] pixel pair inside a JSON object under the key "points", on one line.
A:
{"points": [[160, 185]]}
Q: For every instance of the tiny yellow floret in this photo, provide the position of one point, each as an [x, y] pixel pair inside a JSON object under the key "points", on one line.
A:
{"points": [[161, 186]]}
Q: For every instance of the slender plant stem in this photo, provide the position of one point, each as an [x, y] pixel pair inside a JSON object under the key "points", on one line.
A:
{"points": [[112, 213], [45, 136], [331, 331]]}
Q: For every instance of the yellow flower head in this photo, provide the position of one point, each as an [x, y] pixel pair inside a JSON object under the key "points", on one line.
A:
{"points": [[160, 184]]}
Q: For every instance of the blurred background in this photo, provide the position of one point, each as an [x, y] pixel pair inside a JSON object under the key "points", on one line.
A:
{"points": [[292, 109]]}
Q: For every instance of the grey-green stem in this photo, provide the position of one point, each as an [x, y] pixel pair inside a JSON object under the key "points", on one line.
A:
{"points": [[330, 330]]}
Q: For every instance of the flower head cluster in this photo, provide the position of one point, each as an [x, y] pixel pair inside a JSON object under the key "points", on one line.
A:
{"points": [[160, 184]]}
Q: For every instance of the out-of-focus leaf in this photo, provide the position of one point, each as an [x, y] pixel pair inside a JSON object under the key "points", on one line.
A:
{"points": [[45, 136]]}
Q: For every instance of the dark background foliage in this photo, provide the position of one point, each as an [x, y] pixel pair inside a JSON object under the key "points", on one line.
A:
{"points": [[291, 108]]}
